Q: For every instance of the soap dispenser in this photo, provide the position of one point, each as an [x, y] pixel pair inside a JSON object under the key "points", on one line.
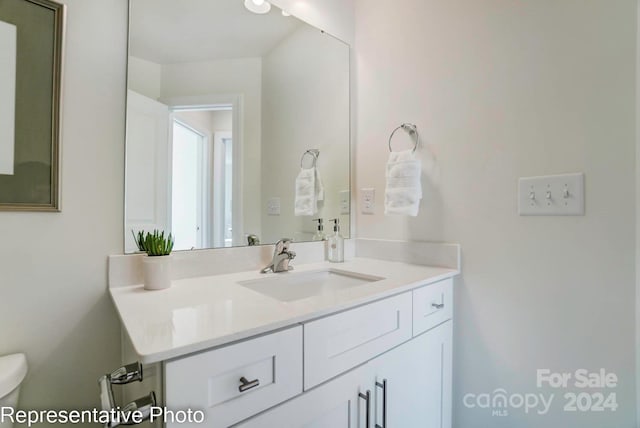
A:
{"points": [[335, 244], [319, 236]]}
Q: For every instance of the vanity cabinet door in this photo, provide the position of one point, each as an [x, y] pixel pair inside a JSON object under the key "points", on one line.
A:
{"points": [[418, 382], [418, 391], [336, 404]]}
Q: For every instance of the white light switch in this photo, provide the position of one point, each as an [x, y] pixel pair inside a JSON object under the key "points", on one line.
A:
{"points": [[551, 195], [368, 201], [273, 206], [345, 201]]}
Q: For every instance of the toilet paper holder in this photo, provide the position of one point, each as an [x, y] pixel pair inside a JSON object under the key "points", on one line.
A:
{"points": [[122, 376]]}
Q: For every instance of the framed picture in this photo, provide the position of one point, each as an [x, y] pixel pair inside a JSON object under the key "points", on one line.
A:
{"points": [[31, 45]]}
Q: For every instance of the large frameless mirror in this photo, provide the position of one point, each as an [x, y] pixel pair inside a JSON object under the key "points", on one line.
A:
{"points": [[238, 124]]}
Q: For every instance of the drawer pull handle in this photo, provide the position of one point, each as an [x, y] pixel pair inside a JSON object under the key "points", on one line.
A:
{"points": [[367, 398], [438, 305], [383, 385], [247, 385]]}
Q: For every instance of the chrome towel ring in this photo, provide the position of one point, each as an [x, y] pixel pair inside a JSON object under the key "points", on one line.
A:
{"points": [[410, 129], [311, 152]]}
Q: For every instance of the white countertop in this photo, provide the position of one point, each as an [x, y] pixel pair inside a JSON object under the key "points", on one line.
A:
{"points": [[200, 313]]}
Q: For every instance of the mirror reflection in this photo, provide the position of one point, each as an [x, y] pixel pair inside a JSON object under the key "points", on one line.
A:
{"points": [[7, 96], [237, 125]]}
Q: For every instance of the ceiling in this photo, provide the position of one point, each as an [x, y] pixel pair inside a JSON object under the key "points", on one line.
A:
{"points": [[175, 31]]}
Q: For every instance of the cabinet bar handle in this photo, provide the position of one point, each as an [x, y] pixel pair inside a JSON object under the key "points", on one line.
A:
{"points": [[247, 384], [438, 305], [383, 385], [367, 398]]}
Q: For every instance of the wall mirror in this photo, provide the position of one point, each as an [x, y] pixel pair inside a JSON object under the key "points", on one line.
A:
{"points": [[31, 41], [238, 124]]}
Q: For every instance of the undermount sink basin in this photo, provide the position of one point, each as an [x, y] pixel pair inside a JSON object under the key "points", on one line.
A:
{"points": [[291, 286]]}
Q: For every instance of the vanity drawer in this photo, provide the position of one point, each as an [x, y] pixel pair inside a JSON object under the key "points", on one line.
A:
{"points": [[432, 305], [337, 343], [271, 367]]}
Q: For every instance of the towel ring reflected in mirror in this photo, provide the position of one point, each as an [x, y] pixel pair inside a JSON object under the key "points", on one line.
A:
{"points": [[314, 153], [410, 129]]}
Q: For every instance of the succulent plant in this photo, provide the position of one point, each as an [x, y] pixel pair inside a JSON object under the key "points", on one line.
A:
{"points": [[139, 240], [156, 244], [153, 243]]}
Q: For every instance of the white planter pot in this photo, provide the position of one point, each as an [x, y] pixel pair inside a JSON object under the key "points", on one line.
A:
{"points": [[157, 272]]}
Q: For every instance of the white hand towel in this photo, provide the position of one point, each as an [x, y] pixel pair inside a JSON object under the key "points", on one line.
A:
{"points": [[319, 186], [404, 189], [306, 192]]}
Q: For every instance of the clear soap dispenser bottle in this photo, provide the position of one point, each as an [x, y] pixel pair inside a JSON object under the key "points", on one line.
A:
{"points": [[335, 244], [319, 236]]}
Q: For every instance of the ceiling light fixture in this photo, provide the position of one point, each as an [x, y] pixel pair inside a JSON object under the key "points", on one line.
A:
{"points": [[257, 6], [285, 13]]}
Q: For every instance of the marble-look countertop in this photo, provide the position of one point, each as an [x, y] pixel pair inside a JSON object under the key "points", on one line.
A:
{"points": [[200, 313]]}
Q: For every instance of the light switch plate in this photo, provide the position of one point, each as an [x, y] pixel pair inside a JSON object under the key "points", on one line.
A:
{"points": [[552, 195], [345, 202], [273, 206], [368, 199]]}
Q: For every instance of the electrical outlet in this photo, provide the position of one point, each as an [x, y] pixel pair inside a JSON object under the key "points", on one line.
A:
{"points": [[368, 200], [345, 202], [273, 206]]}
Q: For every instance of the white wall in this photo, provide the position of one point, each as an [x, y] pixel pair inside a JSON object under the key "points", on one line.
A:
{"points": [[499, 90], [222, 121], [53, 300], [207, 121], [228, 77], [336, 17], [198, 119], [144, 77], [299, 115]]}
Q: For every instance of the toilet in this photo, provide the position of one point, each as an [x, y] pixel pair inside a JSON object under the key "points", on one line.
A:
{"points": [[13, 369]]}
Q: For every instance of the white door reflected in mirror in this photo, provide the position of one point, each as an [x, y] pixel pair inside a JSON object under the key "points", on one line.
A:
{"points": [[187, 178], [180, 173], [223, 190], [7, 96], [201, 178]]}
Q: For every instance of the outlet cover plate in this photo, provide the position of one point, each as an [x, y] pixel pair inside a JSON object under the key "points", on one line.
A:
{"points": [[368, 200], [273, 206], [345, 202]]}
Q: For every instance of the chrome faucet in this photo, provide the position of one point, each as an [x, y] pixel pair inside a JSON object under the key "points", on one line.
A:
{"points": [[281, 257]]}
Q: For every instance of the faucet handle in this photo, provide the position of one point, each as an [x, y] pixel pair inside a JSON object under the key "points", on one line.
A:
{"points": [[282, 245]]}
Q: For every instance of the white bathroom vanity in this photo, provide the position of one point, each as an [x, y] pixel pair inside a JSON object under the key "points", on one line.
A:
{"points": [[369, 346]]}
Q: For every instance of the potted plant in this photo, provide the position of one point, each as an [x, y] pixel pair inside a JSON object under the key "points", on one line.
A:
{"points": [[156, 267], [138, 238]]}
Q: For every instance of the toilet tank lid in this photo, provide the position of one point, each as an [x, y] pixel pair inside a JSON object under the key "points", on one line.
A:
{"points": [[13, 369]]}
